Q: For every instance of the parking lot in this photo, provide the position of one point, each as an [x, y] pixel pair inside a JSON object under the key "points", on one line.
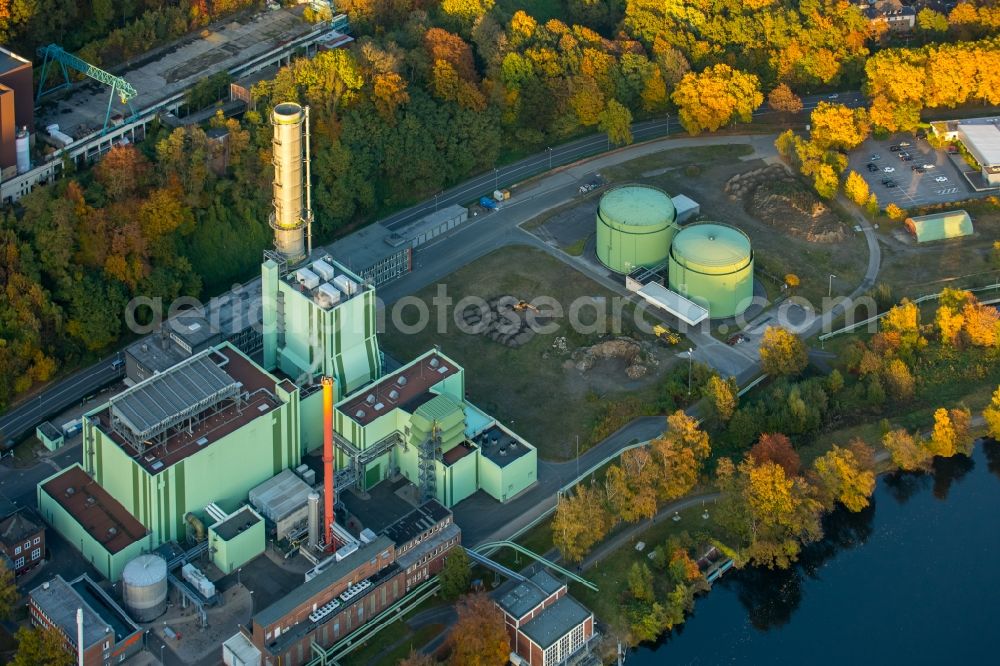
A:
{"points": [[940, 182]]}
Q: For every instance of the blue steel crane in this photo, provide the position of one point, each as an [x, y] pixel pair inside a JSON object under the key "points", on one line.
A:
{"points": [[54, 53]]}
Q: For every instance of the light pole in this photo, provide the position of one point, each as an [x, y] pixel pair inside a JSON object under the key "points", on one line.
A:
{"points": [[496, 179], [690, 362], [162, 645], [238, 572], [436, 201], [829, 293], [550, 158], [578, 457]]}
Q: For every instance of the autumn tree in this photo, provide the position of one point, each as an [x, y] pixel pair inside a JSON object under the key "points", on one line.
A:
{"points": [[992, 416], [981, 324], [8, 592], [770, 513], [951, 434], [908, 452], [456, 575], [776, 448], [843, 478], [41, 647], [479, 636], [123, 171], [781, 98], [417, 659], [640, 581], [899, 380], [902, 322], [616, 121], [722, 396], [782, 352], [856, 188], [580, 522], [894, 212], [838, 127], [715, 97]]}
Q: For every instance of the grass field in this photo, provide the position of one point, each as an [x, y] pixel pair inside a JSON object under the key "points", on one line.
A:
{"points": [[914, 270], [534, 389]]}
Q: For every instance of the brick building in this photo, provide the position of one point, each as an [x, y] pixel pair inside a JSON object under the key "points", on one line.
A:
{"points": [[22, 540], [346, 594], [109, 635], [546, 626]]}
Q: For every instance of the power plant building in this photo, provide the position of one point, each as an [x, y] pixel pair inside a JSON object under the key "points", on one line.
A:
{"points": [[159, 446], [635, 225], [319, 320], [416, 421], [712, 265]]}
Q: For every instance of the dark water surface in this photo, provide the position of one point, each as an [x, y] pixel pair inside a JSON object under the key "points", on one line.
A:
{"points": [[914, 579]]}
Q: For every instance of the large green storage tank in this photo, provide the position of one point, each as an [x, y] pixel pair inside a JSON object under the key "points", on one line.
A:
{"points": [[712, 264], [635, 224]]}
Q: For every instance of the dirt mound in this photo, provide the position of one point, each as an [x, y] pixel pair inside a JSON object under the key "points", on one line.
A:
{"points": [[624, 349], [778, 199]]}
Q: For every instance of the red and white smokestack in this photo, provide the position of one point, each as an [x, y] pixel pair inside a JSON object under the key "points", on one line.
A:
{"points": [[328, 489]]}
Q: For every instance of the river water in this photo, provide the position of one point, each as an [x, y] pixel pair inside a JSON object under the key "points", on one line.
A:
{"points": [[914, 579]]}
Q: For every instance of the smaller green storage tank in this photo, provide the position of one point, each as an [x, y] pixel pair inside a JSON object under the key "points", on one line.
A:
{"points": [[712, 264], [635, 224]]}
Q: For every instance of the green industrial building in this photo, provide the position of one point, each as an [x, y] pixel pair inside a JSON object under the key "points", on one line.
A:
{"points": [[940, 226], [161, 447], [93, 521], [712, 265], [319, 320], [237, 539], [635, 226], [417, 422]]}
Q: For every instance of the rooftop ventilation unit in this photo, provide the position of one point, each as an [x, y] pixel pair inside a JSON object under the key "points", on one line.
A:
{"points": [[202, 441], [401, 380], [393, 394], [307, 278], [379, 406], [370, 399], [443, 370], [323, 269], [435, 363], [360, 414]]}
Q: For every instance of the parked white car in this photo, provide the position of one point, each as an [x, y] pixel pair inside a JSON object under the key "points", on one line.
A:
{"points": [[927, 166], [889, 169], [941, 179]]}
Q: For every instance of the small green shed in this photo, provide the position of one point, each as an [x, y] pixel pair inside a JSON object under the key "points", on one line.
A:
{"points": [[940, 226]]}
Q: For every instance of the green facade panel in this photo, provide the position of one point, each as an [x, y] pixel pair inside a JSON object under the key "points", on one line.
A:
{"points": [[229, 555], [110, 565]]}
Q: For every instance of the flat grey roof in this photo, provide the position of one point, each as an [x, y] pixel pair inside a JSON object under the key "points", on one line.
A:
{"points": [[555, 621], [237, 522], [500, 447], [58, 600], [330, 575], [983, 141], [519, 598], [280, 495], [183, 391], [50, 430]]}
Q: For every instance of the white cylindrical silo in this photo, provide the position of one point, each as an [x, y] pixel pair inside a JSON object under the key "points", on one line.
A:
{"points": [[23, 145], [313, 500], [144, 587]]}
